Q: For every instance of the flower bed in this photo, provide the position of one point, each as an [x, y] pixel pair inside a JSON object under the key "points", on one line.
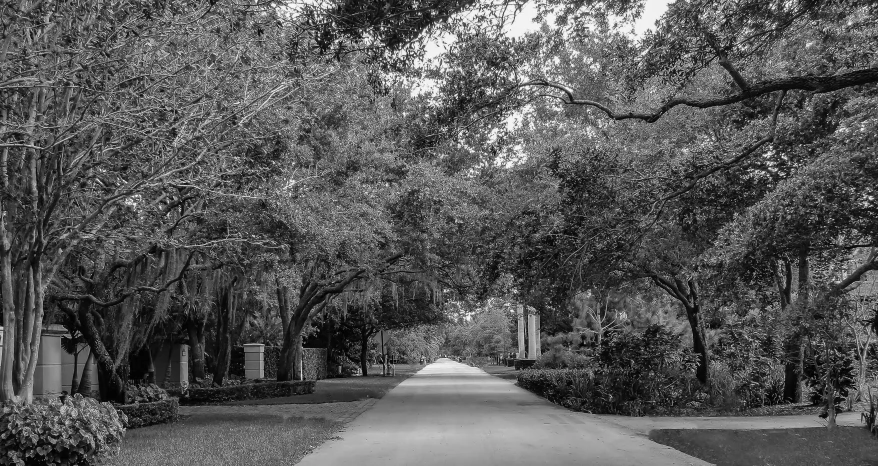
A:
{"points": [[247, 391], [150, 413]]}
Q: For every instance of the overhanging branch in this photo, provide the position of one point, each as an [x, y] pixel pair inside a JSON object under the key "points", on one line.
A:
{"points": [[815, 84]]}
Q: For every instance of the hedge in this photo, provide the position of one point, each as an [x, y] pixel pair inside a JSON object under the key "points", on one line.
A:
{"points": [[148, 414], [314, 360], [520, 364], [248, 391]]}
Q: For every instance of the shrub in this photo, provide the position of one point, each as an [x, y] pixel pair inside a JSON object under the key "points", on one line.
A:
{"points": [[248, 391], [562, 358], [836, 367], [747, 359], [151, 413], [524, 364], [637, 373], [77, 430], [144, 393]]}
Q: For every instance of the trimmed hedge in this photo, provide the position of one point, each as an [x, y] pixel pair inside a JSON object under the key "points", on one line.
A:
{"points": [[520, 364], [151, 413], [314, 360], [248, 391]]}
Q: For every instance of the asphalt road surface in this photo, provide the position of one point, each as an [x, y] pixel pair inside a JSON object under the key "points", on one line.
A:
{"points": [[450, 414]]}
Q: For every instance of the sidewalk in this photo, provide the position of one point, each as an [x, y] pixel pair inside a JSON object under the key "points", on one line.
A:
{"points": [[644, 425]]}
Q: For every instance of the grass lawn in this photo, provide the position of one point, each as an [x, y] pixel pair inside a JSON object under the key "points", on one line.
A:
{"points": [[508, 373], [215, 439], [345, 389], [849, 446]]}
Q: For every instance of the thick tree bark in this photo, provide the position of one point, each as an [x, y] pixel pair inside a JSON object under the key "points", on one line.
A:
{"points": [[795, 347], [84, 387], [364, 351], [287, 366], [225, 320], [196, 347], [112, 387], [74, 381], [699, 342], [688, 295]]}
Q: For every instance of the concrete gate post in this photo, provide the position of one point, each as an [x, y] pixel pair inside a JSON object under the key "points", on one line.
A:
{"points": [[47, 376], [254, 360]]}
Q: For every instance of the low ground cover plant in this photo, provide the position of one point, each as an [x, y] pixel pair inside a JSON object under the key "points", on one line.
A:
{"points": [[147, 405], [75, 430]]}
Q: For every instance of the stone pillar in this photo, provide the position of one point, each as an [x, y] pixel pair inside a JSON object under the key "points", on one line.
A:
{"points": [[521, 349], [180, 369], [254, 360], [1, 346], [47, 376], [178, 360], [533, 338]]}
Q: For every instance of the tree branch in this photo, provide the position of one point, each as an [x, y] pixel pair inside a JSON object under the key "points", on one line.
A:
{"points": [[815, 84]]}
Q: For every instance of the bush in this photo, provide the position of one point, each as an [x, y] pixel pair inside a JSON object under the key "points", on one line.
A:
{"points": [[560, 357], [248, 391], [637, 373], [151, 413], [524, 364], [838, 367], [748, 371], [77, 430], [144, 393]]}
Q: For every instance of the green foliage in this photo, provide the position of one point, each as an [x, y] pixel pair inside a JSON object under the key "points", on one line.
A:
{"points": [[150, 413], [747, 371], [635, 374], [77, 430], [559, 357], [247, 391], [144, 393], [835, 367]]}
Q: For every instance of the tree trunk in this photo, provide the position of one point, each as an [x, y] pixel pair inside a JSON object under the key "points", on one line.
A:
{"points": [[795, 348], [74, 381], [196, 347], [364, 352], [699, 341], [84, 388], [225, 320], [287, 368], [112, 387]]}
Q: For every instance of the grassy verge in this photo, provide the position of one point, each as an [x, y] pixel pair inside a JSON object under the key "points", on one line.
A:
{"points": [[213, 439], [345, 389], [851, 446], [503, 372]]}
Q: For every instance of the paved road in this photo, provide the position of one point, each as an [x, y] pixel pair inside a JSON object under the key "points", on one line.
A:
{"points": [[450, 414]]}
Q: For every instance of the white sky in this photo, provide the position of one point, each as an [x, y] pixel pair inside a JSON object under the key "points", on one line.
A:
{"points": [[524, 23]]}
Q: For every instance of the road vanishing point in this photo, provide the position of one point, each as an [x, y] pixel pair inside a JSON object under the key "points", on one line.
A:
{"points": [[450, 414]]}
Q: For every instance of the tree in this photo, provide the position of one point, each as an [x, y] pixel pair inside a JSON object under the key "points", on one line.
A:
{"points": [[95, 120]]}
